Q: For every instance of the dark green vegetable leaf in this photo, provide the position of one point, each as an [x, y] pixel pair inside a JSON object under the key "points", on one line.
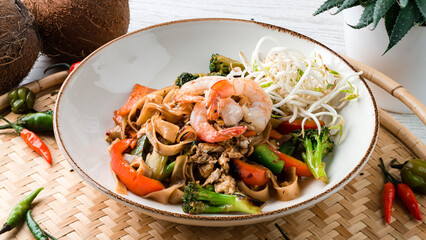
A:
{"points": [[329, 4], [380, 9], [347, 4], [366, 17], [403, 3], [390, 18], [404, 22], [421, 4]]}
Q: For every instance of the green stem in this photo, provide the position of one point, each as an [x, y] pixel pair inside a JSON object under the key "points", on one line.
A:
{"points": [[17, 128]]}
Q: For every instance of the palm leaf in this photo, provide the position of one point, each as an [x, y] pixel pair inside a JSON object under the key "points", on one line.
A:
{"points": [[347, 4], [422, 7], [329, 4], [366, 17], [403, 3], [406, 19], [380, 9]]}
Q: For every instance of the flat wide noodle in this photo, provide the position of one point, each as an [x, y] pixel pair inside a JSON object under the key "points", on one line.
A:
{"points": [[178, 174], [166, 195], [289, 189], [262, 195], [166, 129], [164, 149]]}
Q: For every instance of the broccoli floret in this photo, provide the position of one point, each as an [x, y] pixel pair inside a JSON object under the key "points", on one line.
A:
{"points": [[186, 77], [316, 147], [221, 65], [197, 199]]}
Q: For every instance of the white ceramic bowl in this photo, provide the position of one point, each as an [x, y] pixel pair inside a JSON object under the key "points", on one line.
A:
{"points": [[154, 56]]}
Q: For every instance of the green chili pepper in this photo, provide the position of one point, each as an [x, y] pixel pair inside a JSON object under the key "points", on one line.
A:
{"points": [[50, 235], [167, 171], [141, 148], [263, 155], [35, 228], [288, 147], [413, 173], [18, 212], [21, 100], [37, 122]]}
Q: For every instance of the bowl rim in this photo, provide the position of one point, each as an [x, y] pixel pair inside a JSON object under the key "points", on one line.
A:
{"points": [[165, 213]]}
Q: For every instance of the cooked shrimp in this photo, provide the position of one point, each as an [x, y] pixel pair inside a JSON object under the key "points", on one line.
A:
{"points": [[193, 91], [256, 112], [230, 111], [206, 131]]}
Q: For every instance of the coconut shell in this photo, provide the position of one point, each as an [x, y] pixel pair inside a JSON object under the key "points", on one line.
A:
{"points": [[72, 29], [19, 44]]}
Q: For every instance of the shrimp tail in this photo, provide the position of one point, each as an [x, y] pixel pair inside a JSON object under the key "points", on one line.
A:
{"points": [[233, 131]]}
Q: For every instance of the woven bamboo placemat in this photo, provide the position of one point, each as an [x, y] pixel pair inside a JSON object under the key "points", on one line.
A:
{"points": [[69, 208]]}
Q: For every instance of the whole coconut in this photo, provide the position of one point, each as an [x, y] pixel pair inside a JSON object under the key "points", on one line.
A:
{"points": [[19, 43], [72, 29]]}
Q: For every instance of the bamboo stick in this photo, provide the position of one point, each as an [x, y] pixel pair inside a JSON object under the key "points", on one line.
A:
{"points": [[403, 134], [390, 86]]}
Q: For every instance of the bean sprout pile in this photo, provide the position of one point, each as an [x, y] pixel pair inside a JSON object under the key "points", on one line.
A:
{"points": [[300, 87]]}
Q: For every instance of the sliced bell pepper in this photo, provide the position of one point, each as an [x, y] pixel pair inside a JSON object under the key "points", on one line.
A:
{"points": [[289, 127], [275, 134], [138, 92], [135, 182], [251, 175], [266, 157], [301, 167]]}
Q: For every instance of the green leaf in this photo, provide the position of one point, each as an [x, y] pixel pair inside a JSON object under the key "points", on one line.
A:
{"points": [[421, 4], [390, 18], [347, 4], [406, 19], [380, 9], [403, 3], [329, 4], [366, 17]]}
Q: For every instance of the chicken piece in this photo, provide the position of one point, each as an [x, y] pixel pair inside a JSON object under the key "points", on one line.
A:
{"points": [[206, 169], [213, 177], [210, 147], [224, 162], [226, 184], [234, 153]]}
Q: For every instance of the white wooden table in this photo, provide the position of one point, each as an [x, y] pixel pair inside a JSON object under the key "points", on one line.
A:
{"points": [[293, 15]]}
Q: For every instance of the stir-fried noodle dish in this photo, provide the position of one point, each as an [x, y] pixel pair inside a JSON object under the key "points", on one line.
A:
{"points": [[232, 139]]}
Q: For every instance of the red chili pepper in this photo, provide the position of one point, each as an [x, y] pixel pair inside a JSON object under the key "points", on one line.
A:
{"points": [[138, 92], [135, 182], [252, 175], [32, 140], [404, 192], [410, 201], [301, 167], [388, 197], [73, 66], [289, 127]]}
